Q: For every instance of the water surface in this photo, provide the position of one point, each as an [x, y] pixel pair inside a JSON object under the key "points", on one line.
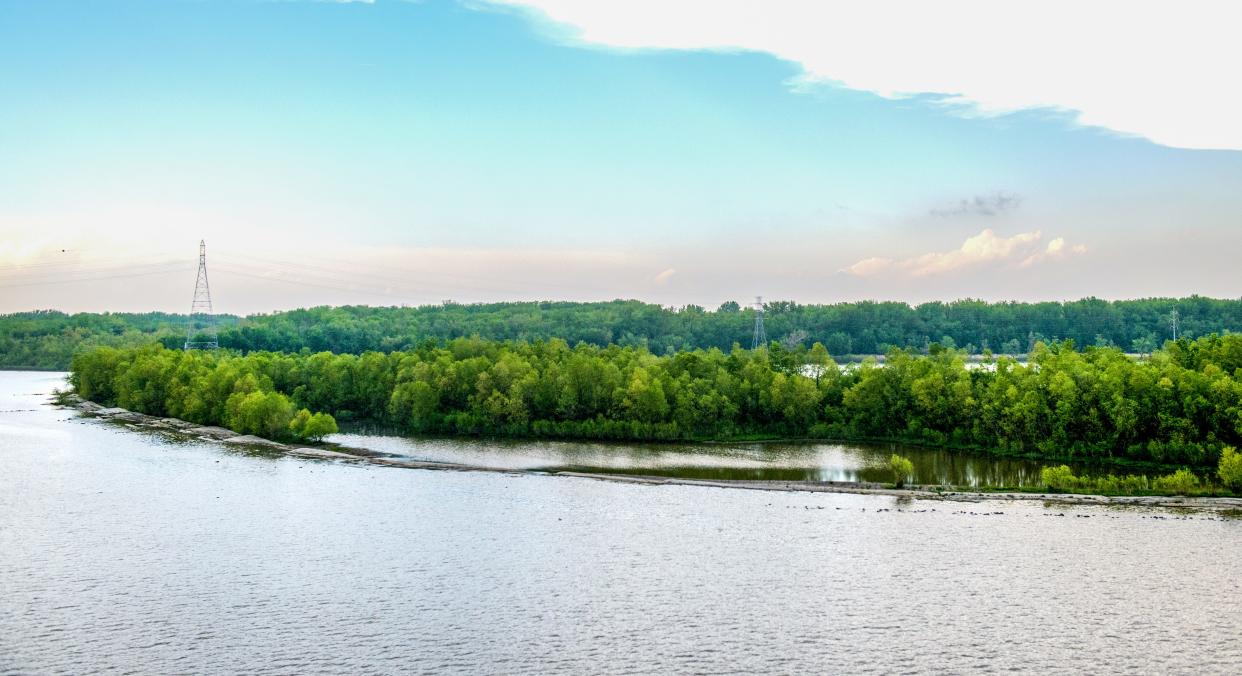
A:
{"points": [[800, 461], [130, 552]]}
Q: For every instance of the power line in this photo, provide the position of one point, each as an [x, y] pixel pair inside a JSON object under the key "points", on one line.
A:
{"points": [[167, 270], [347, 277], [406, 276], [302, 282], [105, 262], [344, 281]]}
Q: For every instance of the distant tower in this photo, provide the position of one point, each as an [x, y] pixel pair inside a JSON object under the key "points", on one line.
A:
{"points": [[201, 333], [1173, 322], [760, 338]]}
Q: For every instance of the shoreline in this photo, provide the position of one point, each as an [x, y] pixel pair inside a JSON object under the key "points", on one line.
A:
{"points": [[141, 421]]}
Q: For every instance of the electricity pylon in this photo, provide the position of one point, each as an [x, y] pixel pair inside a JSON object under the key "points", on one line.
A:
{"points": [[201, 334], [760, 339]]}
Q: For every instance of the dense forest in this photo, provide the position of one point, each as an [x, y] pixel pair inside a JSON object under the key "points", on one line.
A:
{"points": [[1181, 406], [48, 339]]}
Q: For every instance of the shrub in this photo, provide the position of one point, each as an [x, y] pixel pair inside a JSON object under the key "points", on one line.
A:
{"points": [[1181, 482], [312, 427], [902, 468], [266, 414], [319, 426], [1058, 478], [297, 425], [1230, 468], [1063, 479]]}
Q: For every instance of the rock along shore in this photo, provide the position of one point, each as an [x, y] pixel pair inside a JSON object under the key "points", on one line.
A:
{"points": [[337, 452]]}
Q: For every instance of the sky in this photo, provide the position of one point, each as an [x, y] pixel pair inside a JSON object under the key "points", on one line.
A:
{"points": [[677, 152]]}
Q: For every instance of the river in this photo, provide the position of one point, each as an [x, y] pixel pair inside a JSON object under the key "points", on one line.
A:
{"points": [[130, 552]]}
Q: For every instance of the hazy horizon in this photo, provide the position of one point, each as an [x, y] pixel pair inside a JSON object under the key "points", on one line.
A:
{"points": [[743, 303]]}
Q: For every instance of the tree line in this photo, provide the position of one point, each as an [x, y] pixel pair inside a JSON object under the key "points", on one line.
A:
{"points": [[1180, 406], [48, 339]]}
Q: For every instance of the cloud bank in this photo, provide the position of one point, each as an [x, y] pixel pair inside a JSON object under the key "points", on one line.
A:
{"points": [[981, 248], [1163, 71]]}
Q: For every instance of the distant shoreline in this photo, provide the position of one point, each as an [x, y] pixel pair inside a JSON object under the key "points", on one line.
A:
{"points": [[140, 421]]}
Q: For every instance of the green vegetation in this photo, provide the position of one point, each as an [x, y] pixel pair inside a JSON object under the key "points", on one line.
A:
{"points": [[315, 427], [49, 339], [1229, 470], [1181, 482], [1180, 407], [902, 468], [184, 385]]}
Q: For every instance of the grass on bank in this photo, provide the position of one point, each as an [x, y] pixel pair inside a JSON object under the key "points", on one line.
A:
{"points": [[1061, 479], [1181, 482]]}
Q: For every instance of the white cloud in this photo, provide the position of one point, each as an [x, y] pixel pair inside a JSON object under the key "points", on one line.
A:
{"points": [[1164, 71], [870, 266], [664, 276], [985, 246], [1055, 250], [981, 248]]}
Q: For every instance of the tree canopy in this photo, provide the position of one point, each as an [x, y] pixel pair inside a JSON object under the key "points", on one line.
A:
{"points": [[49, 339], [1182, 406]]}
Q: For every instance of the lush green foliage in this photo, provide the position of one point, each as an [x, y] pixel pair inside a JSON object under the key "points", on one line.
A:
{"points": [[1181, 406], [48, 339], [902, 468], [1181, 482], [306, 425], [267, 414], [1229, 470], [1059, 478], [196, 387]]}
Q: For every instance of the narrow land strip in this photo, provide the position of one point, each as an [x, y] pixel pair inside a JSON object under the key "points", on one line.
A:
{"points": [[338, 452]]}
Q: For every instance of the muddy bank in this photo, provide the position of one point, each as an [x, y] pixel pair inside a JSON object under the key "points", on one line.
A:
{"points": [[337, 452]]}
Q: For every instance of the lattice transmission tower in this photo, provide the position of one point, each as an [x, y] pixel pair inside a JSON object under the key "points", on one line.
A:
{"points": [[201, 333], [760, 339]]}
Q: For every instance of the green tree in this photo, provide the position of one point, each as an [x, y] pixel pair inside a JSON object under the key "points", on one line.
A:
{"points": [[265, 414], [297, 424], [901, 468], [819, 361], [319, 426], [1058, 478], [1181, 406], [1229, 470], [1144, 344]]}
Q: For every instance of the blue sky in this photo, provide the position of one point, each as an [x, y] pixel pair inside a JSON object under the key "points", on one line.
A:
{"points": [[396, 152]]}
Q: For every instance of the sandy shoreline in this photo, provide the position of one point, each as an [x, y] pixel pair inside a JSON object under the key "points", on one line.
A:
{"points": [[140, 421]]}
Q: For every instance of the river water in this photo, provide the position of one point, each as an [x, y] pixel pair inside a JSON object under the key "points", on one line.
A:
{"points": [[123, 551], [800, 461]]}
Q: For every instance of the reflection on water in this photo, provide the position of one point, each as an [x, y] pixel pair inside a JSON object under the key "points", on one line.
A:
{"points": [[773, 461], [125, 552]]}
